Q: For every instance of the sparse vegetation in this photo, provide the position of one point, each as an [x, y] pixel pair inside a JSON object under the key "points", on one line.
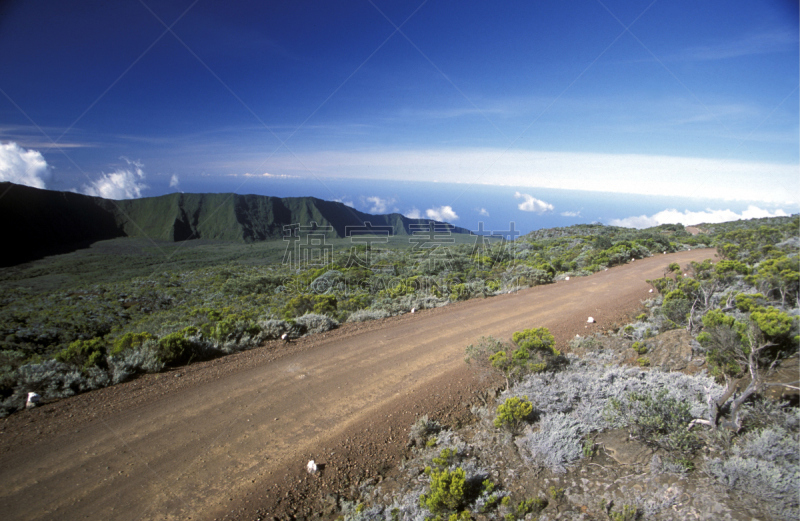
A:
{"points": [[741, 311]]}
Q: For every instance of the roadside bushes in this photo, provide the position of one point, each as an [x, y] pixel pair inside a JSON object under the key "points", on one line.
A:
{"points": [[577, 400], [52, 379], [273, 329], [314, 323], [535, 352], [84, 353], [363, 315], [136, 360]]}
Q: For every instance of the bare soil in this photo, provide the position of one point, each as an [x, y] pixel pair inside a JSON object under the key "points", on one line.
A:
{"points": [[230, 438]]}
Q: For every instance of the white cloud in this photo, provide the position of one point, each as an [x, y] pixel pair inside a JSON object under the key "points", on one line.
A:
{"points": [[413, 213], [484, 212], [121, 184], [672, 216], [379, 205], [174, 181], [442, 213], [531, 204], [23, 167], [571, 214], [345, 202]]}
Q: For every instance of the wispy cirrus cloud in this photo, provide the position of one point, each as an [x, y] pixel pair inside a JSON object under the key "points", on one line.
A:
{"points": [[123, 183], [753, 44]]}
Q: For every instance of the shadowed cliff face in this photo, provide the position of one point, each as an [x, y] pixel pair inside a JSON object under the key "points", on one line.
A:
{"points": [[35, 223]]}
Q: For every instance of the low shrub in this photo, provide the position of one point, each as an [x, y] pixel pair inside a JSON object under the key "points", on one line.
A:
{"points": [[447, 491], [274, 329], [422, 430], [84, 353], [314, 323], [130, 341], [764, 463], [363, 315], [656, 418], [512, 413], [535, 339], [175, 348], [130, 362], [556, 444]]}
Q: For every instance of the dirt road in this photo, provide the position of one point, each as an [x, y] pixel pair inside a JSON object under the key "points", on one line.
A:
{"points": [[231, 437]]}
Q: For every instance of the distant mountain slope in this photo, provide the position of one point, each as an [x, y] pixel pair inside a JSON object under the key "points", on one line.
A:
{"points": [[35, 222]]}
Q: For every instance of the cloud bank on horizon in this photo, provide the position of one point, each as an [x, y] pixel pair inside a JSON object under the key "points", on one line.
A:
{"points": [[673, 216], [724, 179]]}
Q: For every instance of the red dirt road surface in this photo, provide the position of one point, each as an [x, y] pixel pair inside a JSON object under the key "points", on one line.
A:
{"points": [[231, 437]]}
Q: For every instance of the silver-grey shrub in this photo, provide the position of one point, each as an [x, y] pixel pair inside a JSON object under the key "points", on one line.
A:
{"points": [[766, 464], [556, 444], [585, 386], [363, 315], [52, 380], [134, 361], [273, 329], [576, 399], [315, 323]]}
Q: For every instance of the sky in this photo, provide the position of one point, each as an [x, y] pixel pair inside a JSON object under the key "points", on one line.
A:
{"points": [[544, 113]]}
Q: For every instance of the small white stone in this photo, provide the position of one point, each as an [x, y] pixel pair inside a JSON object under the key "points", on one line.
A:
{"points": [[33, 400], [413, 310], [650, 291], [591, 320], [311, 467], [566, 278]]}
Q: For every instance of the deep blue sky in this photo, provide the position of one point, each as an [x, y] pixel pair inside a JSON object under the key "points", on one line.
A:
{"points": [[674, 98]]}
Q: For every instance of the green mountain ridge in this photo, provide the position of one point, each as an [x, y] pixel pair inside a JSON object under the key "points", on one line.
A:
{"points": [[38, 222]]}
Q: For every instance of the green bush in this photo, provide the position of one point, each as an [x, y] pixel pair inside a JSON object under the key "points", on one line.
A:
{"points": [[657, 419], [130, 341], [447, 490], [513, 412], [538, 338], [174, 349], [445, 458], [84, 353], [676, 309], [639, 347]]}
